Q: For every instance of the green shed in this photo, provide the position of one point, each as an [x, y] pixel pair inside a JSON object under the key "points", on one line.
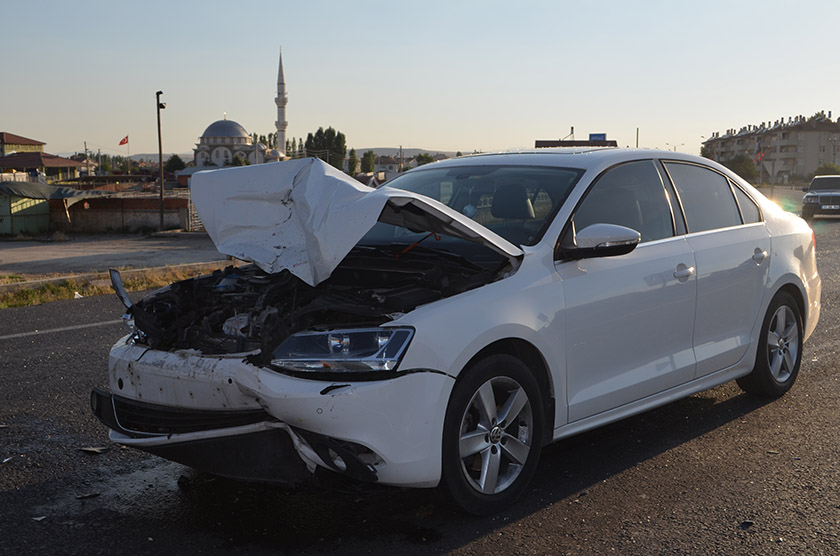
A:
{"points": [[19, 215], [25, 206]]}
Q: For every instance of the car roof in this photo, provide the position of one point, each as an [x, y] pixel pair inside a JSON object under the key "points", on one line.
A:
{"points": [[579, 157]]}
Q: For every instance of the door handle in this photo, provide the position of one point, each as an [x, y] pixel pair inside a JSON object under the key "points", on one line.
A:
{"points": [[759, 255], [683, 272]]}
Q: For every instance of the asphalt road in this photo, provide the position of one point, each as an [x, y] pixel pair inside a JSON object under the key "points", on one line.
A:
{"points": [[81, 254], [716, 473]]}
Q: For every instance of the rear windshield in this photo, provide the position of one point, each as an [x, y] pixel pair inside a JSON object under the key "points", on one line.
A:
{"points": [[822, 183], [516, 202]]}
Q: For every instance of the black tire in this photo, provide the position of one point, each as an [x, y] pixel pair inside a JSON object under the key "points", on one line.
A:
{"points": [[779, 350], [509, 444]]}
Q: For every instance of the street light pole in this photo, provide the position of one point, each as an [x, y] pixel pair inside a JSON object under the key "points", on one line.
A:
{"points": [[160, 105]]}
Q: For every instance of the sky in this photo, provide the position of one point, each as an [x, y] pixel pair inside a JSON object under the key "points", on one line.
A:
{"points": [[438, 75]]}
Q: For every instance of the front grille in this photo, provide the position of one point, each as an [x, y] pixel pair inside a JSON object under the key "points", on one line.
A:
{"points": [[830, 199], [134, 416]]}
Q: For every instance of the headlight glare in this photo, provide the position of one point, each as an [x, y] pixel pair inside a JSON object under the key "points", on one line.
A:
{"points": [[343, 351]]}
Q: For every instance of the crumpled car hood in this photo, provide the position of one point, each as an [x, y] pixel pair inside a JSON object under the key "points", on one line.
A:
{"points": [[305, 216]]}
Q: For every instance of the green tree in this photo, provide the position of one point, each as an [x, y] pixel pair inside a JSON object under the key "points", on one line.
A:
{"points": [[458, 153], [329, 145], [827, 169], [240, 160], [352, 163], [173, 164], [423, 158], [743, 166], [706, 151], [368, 162]]}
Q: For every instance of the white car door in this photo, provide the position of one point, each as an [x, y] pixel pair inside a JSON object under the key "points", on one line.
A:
{"points": [[629, 318], [732, 250]]}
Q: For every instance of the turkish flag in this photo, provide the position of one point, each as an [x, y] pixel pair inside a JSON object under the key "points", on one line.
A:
{"points": [[124, 140]]}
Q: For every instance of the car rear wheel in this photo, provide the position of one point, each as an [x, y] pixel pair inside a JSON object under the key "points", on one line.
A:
{"points": [[779, 350], [492, 435]]}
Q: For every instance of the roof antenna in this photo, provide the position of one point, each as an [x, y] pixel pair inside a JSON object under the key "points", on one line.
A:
{"points": [[225, 115]]}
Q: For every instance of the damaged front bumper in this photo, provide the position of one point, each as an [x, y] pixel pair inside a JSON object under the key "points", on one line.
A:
{"points": [[225, 416]]}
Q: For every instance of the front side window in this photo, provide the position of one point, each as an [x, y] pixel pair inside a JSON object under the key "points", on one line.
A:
{"points": [[705, 196], [630, 195]]}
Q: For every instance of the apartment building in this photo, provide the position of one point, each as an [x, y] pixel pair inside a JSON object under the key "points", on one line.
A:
{"points": [[782, 150]]}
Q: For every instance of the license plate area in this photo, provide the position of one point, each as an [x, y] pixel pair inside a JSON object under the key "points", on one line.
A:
{"points": [[830, 207]]}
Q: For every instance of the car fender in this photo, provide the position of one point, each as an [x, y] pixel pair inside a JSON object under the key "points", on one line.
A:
{"points": [[527, 306]]}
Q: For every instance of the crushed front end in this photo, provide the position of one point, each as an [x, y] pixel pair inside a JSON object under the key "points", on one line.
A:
{"points": [[263, 377]]}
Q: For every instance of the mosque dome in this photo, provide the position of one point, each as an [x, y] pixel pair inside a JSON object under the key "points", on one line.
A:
{"points": [[225, 128]]}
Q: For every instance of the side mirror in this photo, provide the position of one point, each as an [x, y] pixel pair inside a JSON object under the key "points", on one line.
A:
{"points": [[598, 240]]}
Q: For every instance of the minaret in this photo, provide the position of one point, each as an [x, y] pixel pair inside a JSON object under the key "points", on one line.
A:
{"points": [[280, 100]]}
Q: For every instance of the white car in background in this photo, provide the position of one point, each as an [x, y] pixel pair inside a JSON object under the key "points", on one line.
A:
{"points": [[440, 330]]}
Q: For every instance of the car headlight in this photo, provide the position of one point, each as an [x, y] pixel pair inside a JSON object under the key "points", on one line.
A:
{"points": [[343, 351], [808, 200]]}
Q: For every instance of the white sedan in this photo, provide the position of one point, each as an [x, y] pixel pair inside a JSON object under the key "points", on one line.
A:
{"points": [[440, 330]]}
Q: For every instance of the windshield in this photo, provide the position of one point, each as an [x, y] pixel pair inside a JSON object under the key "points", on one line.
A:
{"points": [[823, 183], [516, 202]]}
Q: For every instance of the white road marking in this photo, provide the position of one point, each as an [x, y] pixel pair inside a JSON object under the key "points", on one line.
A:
{"points": [[62, 329]]}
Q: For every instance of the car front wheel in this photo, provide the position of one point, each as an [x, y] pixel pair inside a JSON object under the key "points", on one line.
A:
{"points": [[492, 435], [779, 349]]}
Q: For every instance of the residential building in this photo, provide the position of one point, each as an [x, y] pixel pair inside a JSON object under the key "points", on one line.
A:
{"points": [[41, 166], [11, 143], [782, 150], [386, 164]]}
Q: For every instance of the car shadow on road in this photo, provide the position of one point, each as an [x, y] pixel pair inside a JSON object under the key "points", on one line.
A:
{"points": [[347, 516]]}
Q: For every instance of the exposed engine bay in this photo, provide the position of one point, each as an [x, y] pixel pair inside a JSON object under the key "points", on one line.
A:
{"points": [[244, 309]]}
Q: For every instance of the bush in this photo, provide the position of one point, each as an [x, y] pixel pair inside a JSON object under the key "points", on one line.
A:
{"points": [[827, 169], [743, 166]]}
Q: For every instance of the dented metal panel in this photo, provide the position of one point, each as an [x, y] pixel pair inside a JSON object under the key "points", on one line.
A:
{"points": [[305, 216]]}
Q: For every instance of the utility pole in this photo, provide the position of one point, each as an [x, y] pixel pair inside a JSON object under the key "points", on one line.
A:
{"points": [[160, 105]]}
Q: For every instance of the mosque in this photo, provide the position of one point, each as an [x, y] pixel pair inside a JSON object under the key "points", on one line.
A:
{"points": [[224, 139]]}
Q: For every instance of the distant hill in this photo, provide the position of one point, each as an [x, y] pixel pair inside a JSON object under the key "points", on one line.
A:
{"points": [[186, 157]]}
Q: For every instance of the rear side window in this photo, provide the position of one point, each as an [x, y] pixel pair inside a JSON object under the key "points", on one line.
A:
{"points": [[706, 197], [749, 210]]}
